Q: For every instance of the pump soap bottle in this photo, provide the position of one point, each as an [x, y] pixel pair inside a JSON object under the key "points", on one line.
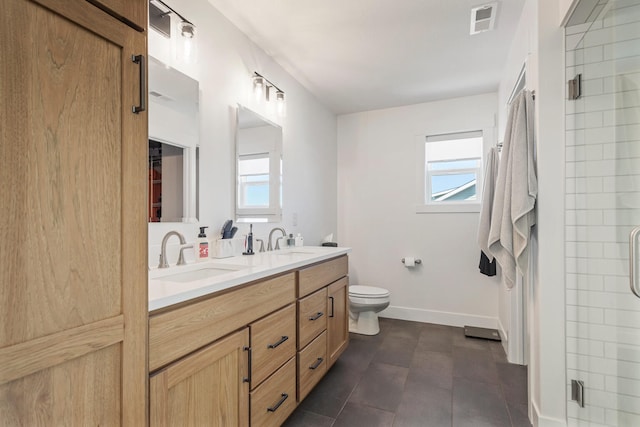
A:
{"points": [[202, 253]]}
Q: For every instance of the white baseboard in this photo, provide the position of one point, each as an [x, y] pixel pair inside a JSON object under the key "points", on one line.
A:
{"points": [[505, 339], [439, 317], [542, 421]]}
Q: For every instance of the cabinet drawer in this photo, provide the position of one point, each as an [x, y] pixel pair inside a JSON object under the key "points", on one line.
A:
{"points": [[312, 365], [178, 332], [312, 317], [273, 342], [274, 400], [315, 277]]}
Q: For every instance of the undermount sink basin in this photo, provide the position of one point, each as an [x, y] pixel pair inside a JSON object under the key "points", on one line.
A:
{"points": [[201, 272], [293, 252]]}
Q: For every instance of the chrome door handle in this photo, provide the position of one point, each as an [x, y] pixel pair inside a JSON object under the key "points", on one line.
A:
{"points": [[634, 243]]}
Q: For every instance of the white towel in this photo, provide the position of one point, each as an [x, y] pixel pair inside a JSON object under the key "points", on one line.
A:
{"points": [[488, 191], [513, 212]]}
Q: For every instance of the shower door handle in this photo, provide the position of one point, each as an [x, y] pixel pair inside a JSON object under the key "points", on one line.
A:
{"points": [[634, 262]]}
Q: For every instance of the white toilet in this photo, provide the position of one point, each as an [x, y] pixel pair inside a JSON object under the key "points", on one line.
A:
{"points": [[365, 302]]}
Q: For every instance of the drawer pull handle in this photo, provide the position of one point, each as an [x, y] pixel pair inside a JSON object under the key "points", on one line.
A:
{"points": [[247, 379], [318, 362], [280, 341], [332, 308], [317, 316], [275, 407]]}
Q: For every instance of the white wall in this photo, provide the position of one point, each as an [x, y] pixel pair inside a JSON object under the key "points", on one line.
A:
{"points": [[377, 176], [539, 42], [226, 60]]}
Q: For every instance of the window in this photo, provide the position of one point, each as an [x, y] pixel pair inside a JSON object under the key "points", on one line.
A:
{"points": [[451, 172]]}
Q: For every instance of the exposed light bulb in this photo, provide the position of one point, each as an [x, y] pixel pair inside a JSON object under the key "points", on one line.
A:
{"points": [[258, 87], [280, 102], [186, 43], [187, 29]]}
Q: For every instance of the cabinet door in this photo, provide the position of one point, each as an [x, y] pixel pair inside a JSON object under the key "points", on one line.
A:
{"points": [[73, 232], [206, 388], [338, 319]]}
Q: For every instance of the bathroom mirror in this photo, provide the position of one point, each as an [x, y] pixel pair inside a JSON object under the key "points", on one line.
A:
{"points": [[258, 168], [173, 145]]}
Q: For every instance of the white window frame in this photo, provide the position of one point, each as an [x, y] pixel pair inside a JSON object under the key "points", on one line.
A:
{"points": [[424, 204]]}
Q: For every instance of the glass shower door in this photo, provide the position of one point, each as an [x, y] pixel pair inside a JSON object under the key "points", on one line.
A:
{"points": [[602, 209]]}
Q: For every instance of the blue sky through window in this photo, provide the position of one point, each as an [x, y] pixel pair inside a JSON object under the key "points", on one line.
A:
{"points": [[440, 183]]}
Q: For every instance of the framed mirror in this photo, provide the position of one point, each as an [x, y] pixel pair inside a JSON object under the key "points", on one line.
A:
{"points": [[258, 168], [173, 145]]}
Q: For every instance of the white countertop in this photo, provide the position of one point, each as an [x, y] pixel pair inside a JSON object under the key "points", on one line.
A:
{"points": [[166, 290]]}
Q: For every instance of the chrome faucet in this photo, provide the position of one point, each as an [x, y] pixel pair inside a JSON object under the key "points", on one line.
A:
{"points": [[261, 244], [163, 249], [284, 234]]}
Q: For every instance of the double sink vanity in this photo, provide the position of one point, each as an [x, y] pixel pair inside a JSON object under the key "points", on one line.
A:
{"points": [[243, 340]]}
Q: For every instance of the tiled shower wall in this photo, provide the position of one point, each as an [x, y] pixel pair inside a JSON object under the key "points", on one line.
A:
{"points": [[602, 206]]}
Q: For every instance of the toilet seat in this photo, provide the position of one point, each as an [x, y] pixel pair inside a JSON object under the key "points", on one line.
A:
{"points": [[368, 292]]}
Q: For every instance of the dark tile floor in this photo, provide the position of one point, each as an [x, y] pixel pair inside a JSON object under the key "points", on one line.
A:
{"points": [[418, 375]]}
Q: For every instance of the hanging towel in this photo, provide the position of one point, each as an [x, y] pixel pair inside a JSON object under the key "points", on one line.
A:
{"points": [[487, 263], [513, 214], [488, 191]]}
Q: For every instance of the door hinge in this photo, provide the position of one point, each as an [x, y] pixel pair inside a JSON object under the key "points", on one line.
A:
{"points": [[577, 392], [575, 87]]}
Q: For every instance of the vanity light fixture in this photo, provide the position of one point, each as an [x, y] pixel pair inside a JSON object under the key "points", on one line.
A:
{"points": [[159, 19], [263, 86]]}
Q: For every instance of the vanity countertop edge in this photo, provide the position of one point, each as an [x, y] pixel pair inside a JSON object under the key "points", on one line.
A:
{"points": [[164, 293]]}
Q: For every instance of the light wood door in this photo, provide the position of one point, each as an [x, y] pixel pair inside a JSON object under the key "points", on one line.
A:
{"points": [[73, 282], [206, 388], [337, 319]]}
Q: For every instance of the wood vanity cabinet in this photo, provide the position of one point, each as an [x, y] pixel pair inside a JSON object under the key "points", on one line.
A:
{"points": [[73, 230], [248, 355], [322, 320], [190, 345]]}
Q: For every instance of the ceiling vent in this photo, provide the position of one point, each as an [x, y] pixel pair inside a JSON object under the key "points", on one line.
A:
{"points": [[483, 18]]}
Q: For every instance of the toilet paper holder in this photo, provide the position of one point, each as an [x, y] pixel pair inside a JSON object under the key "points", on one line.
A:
{"points": [[417, 261]]}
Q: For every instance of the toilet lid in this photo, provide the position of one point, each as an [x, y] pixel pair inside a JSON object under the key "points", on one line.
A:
{"points": [[367, 291]]}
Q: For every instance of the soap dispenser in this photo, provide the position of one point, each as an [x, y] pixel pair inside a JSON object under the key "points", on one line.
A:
{"points": [[202, 253]]}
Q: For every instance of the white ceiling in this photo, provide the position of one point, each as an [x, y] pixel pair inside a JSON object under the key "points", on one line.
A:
{"points": [[359, 55]]}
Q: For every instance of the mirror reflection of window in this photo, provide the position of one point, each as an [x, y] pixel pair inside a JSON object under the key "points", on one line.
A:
{"points": [[165, 182], [258, 168], [253, 180]]}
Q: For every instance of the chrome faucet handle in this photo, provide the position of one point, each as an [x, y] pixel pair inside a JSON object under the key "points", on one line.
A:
{"points": [[261, 244], [181, 260]]}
